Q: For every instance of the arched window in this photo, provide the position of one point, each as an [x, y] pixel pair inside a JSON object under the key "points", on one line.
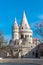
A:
{"points": [[29, 42], [22, 27], [33, 53], [41, 53], [30, 35], [18, 43], [31, 46], [22, 36]]}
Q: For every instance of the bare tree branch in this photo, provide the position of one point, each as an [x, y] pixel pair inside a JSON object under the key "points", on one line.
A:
{"points": [[39, 28]]}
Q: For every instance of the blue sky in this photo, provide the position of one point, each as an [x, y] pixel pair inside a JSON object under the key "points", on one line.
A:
{"points": [[9, 9]]}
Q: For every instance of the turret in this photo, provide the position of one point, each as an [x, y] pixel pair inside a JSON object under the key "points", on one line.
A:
{"points": [[15, 31], [25, 31]]}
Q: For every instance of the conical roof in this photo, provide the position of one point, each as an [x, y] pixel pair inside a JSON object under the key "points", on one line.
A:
{"points": [[15, 25], [24, 21]]}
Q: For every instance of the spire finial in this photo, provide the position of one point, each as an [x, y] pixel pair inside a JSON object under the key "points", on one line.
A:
{"points": [[24, 13], [15, 20]]}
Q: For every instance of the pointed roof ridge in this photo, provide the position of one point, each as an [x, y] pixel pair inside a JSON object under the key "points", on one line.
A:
{"points": [[24, 13], [24, 16], [24, 20], [15, 22]]}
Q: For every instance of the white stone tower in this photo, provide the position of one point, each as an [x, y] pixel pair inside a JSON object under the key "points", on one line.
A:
{"points": [[25, 30], [15, 31]]}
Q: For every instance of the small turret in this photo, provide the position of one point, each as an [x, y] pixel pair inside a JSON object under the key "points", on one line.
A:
{"points": [[15, 23], [15, 30]]}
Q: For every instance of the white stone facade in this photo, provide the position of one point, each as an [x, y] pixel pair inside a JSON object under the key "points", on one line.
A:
{"points": [[22, 39], [23, 30]]}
